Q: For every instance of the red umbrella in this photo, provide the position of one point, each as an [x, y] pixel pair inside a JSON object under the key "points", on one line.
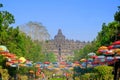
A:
{"points": [[10, 55], [102, 51], [14, 61], [3, 53], [110, 52], [63, 63], [46, 62], [111, 47], [116, 42], [77, 62], [94, 57]]}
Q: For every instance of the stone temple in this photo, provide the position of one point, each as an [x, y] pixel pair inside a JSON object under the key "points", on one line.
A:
{"points": [[62, 47]]}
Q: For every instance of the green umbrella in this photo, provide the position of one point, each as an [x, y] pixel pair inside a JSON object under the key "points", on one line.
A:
{"points": [[3, 48]]}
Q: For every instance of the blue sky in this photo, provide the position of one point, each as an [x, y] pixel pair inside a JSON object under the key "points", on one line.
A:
{"points": [[78, 19]]}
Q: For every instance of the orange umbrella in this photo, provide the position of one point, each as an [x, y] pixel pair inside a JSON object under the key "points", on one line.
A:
{"points": [[9, 55], [50, 66], [117, 51], [37, 65], [62, 66], [103, 48]]}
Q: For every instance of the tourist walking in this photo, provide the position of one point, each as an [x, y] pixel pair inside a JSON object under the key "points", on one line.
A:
{"points": [[43, 75]]}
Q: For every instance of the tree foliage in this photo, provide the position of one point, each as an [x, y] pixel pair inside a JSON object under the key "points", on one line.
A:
{"points": [[18, 42], [50, 57], [4, 73], [104, 71], [117, 15], [35, 30], [109, 33]]}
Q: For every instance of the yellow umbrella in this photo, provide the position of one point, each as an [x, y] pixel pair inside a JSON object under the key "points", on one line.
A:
{"points": [[117, 51], [83, 60], [71, 68], [31, 71], [22, 59]]}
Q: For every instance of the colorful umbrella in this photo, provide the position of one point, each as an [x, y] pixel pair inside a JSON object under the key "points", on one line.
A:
{"points": [[83, 60], [111, 47], [103, 48], [117, 51], [116, 46], [91, 54], [46, 62], [22, 59], [62, 66], [37, 65], [94, 57], [9, 55], [31, 71], [63, 63], [77, 62], [3, 48], [110, 52], [102, 51], [116, 42]]}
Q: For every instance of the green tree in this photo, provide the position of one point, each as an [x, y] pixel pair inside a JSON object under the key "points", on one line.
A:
{"points": [[109, 33], [104, 72], [17, 43], [5, 20], [50, 57], [117, 15]]}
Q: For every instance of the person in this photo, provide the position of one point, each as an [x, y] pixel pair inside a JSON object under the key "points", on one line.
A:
{"points": [[43, 75]]}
